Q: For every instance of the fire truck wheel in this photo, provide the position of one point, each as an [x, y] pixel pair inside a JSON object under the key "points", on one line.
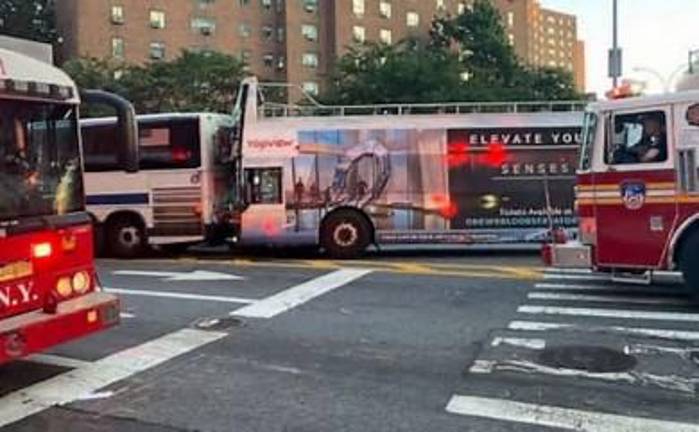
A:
{"points": [[689, 264], [126, 238], [345, 234]]}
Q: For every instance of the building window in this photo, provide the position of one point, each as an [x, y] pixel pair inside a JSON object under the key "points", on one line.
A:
{"points": [[359, 34], [511, 38], [386, 36], [310, 32], [268, 60], [280, 34], [205, 26], [206, 3], [511, 19], [244, 2], [310, 5], [412, 19], [267, 4], [157, 19], [244, 30], [311, 87], [385, 9], [117, 14], [358, 7], [441, 7], [157, 51], [310, 60], [118, 48], [281, 62], [267, 32], [245, 56], [461, 8]]}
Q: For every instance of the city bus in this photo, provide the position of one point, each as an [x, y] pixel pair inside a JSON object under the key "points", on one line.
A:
{"points": [[344, 178], [178, 196], [49, 292]]}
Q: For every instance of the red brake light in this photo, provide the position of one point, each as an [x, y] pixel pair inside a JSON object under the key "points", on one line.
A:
{"points": [[42, 250]]}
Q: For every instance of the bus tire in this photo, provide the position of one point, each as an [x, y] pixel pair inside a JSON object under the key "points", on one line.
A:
{"points": [[345, 234], [689, 264], [126, 237]]}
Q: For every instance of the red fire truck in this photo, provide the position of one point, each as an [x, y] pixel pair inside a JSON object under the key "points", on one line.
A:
{"points": [[638, 190], [49, 292]]}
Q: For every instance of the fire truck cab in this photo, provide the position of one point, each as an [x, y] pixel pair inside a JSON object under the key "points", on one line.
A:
{"points": [[638, 189], [49, 293]]}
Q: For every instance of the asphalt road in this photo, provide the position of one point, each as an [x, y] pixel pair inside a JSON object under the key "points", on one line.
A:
{"points": [[399, 341]]}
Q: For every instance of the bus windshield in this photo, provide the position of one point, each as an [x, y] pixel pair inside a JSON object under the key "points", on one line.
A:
{"points": [[40, 166], [588, 140]]}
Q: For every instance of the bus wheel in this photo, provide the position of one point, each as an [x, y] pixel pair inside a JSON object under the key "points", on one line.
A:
{"points": [[345, 234], [126, 238], [689, 264]]}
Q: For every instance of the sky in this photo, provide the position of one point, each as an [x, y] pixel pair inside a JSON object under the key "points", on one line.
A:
{"points": [[654, 34]]}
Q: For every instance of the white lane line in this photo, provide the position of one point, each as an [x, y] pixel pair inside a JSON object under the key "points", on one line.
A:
{"points": [[658, 333], [55, 360], [558, 417], [609, 313], [606, 299], [82, 382], [179, 296], [668, 382], [568, 271], [589, 277], [534, 344], [602, 288], [295, 296], [127, 315]]}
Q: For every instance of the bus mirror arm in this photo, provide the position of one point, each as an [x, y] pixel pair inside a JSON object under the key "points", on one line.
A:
{"points": [[126, 125]]}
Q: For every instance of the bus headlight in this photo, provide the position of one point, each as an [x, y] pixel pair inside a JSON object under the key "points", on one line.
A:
{"points": [[81, 282]]}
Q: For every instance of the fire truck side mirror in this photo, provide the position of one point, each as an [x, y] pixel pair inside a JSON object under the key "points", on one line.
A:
{"points": [[127, 128]]}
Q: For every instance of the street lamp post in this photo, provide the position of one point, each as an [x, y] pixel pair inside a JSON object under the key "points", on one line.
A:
{"points": [[667, 82], [615, 54]]}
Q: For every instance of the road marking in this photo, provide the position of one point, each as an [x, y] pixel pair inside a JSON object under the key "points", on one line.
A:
{"points": [[612, 288], [658, 333], [534, 344], [295, 296], [194, 276], [590, 277], [179, 296], [558, 417], [668, 382], [127, 315], [82, 382], [568, 271], [609, 313], [606, 299], [57, 360]]}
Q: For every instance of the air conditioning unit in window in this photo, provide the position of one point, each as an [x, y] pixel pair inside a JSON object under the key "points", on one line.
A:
{"points": [[206, 31]]}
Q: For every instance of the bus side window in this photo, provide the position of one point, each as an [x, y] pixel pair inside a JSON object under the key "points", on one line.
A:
{"points": [[172, 145], [100, 148], [264, 185]]}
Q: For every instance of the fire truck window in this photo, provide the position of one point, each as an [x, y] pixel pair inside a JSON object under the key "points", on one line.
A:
{"points": [[638, 138], [264, 186]]}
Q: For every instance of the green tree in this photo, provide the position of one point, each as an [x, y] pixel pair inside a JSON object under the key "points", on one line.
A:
{"points": [[29, 19], [204, 81], [467, 58], [406, 72]]}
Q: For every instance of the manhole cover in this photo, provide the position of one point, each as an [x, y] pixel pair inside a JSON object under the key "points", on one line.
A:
{"points": [[218, 324], [587, 358]]}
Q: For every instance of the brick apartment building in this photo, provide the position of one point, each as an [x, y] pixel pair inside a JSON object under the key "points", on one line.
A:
{"points": [[296, 41]]}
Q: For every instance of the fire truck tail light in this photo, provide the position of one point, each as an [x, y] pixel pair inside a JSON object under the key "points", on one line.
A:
{"points": [[588, 230], [81, 282], [42, 250]]}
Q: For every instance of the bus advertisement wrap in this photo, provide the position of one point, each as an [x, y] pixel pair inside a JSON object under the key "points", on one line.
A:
{"points": [[438, 185]]}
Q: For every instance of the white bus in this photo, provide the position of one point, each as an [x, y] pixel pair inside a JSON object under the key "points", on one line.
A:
{"points": [[344, 178], [180, 194]]}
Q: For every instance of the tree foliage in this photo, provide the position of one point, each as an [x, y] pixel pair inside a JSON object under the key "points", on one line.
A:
{"points": [[29, 19], [193, 82], [467, 58]]}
